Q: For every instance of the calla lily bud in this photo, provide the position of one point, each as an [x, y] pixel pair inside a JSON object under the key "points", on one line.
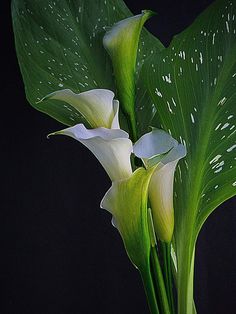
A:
{"points": [[162, 181], [112, 148], [97, 106], [121, 42], [126, 200]]}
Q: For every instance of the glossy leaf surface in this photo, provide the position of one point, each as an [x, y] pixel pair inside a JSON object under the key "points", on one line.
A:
{"points": [[59, 46], [193, 86]]}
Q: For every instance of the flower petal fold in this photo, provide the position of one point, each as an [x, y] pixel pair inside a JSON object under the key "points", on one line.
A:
{"points": [[151, 146], [121, 42], [126, 200], [97, 106], [161, 193], [112, 148]]}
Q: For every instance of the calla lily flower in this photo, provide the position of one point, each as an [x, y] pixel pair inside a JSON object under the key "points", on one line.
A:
{"points": [[126, 200], [97, 106], [121, 42], [112, 148], [160, 148]]}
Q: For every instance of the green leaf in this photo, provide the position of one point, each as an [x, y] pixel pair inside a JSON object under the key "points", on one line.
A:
{"points": [[193, 86], [192, 83], [59, 45]]}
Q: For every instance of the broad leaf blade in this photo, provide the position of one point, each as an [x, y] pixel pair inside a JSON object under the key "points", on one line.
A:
{"points": [[59, 45], [193, 85]]}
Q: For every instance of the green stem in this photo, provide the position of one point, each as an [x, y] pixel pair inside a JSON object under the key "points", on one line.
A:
{"points": [[160, 285], [150, 291], [166, 249]]}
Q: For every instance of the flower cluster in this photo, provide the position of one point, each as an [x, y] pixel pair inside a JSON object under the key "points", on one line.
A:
{"points": [[131, 188]]}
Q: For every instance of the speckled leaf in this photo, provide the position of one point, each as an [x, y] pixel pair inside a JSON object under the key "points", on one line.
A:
{"points": [[59, 45], [193, 85]]}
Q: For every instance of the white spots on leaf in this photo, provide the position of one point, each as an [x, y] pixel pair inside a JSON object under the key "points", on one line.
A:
{"points": [[182, 55], [180, 173], [192, 118], [60, 85], [230, 116], [169, 107], [227, 26], [230, 149], [201, 58], [216, 186], [218, 165], [225, 126], [153, 109], [174, 103], [218, 170], [234, 183], [222, 101], [166, 78], [158, 93], [217, 126], [215, 159], [213, 39]]}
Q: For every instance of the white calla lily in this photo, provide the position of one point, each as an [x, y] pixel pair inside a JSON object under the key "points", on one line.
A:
{"points": [[97, 106], [112, 148], [160, 148]]}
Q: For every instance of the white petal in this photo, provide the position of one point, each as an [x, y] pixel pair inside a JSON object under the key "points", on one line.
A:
{"points": [[115, 123], [175, 154], [154, 143], [96, 105], [161, 193], [111, 147]]}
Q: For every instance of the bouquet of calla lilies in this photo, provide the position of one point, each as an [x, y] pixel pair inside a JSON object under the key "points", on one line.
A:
{"points": [[144, 111]]}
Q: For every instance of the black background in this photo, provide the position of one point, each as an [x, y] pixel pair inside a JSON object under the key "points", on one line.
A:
{"points": [[59, 253]]}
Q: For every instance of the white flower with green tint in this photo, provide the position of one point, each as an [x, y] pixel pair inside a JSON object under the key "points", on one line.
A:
{"points": [[158, 147], [126, 200], [97, 106], [121, 42]]}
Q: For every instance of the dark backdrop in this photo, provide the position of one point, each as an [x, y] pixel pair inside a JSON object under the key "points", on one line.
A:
{"points": [[59, 253]]}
